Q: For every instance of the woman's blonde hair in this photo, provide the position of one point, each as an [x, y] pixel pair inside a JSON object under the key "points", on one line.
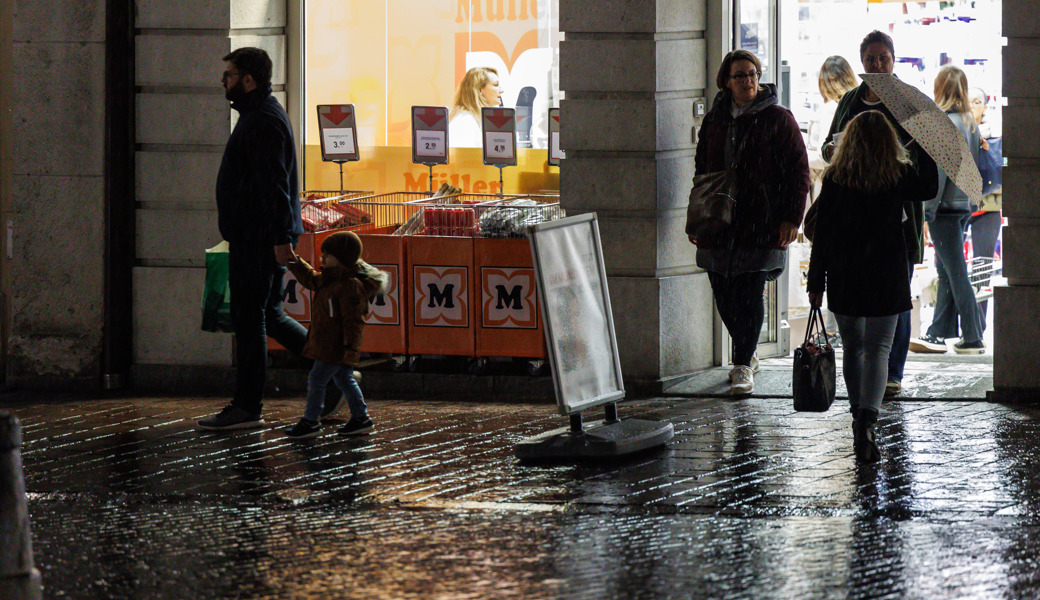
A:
{"points": [[869, 157], [951, 93], [836, 78], [468, 97]]}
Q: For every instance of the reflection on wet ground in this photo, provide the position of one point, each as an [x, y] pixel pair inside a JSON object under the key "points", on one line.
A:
{"points": [[750, 500]]}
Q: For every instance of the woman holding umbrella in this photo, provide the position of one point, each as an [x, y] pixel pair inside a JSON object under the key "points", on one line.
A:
{"points": [[947, 216], [877, 53]]}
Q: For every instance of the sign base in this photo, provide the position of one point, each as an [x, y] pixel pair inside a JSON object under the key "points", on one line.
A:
{"points": [[598, 440]]}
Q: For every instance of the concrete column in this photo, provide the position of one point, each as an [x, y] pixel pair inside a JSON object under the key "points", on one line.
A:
{"points": [[630, 71], [183, 122], [1016, 363], [52, 218]]}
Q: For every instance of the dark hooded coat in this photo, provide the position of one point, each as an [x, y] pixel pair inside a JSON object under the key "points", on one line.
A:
{"points": [[772, 171], [258, 199]]}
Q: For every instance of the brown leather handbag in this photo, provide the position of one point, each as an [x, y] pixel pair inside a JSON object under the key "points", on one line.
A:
{"points": [[712, 202]]}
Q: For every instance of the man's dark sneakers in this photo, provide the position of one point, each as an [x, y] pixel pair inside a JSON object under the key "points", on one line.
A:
{"points": [[963, 347], [231, 417], [304, 429], [356, 426]]}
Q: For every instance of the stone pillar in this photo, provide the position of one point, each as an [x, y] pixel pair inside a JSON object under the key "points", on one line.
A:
{"points": [[53, 191], [183, 122], [630, 71], [1016, 362]]}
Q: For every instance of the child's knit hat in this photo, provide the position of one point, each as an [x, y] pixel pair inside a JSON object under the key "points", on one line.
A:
{"points": [[345, 246]]}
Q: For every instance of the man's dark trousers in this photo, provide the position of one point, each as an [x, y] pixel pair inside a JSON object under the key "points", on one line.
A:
{"points": [[255, 279]]}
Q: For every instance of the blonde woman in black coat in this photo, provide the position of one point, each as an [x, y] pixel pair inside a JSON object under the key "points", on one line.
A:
{"points": [[859, 257]]}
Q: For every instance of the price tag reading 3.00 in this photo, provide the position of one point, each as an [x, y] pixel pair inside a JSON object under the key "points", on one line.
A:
{"points": [[338, 141]]}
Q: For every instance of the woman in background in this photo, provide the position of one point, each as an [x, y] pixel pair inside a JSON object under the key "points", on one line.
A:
{"points": [[835, 80], [986, 221], [956, 312], [479, 88]]}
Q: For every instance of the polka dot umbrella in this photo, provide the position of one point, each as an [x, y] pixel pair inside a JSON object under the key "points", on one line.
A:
{"points": [[932, 128]]}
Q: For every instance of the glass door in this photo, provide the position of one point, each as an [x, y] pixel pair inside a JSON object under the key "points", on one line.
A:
{"points": [[756, 28]]}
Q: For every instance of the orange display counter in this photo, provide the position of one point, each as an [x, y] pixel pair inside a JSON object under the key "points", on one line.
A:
{"points": [[509, 321], [440, 271]]}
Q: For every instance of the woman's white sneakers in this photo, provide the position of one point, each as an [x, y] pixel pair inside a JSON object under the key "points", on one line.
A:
{"points": [[742, 380]]}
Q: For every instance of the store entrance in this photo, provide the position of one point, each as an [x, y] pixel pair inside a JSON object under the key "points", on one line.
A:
{"points": [[927, 36]]}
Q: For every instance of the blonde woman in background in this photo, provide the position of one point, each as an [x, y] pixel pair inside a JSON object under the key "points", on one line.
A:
{"points": [[479, 87], [956, 312], [835, 80]]}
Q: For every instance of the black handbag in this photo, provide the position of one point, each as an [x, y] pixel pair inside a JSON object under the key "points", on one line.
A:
{"points": [[814, 368], [712, 201]]}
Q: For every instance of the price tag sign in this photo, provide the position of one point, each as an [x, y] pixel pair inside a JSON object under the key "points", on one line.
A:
{"points": [[499, 127], [430, 135], [338, 132], [555, 153]]}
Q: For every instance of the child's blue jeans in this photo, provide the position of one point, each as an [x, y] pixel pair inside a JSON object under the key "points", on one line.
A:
{"points": [[343, 375]]}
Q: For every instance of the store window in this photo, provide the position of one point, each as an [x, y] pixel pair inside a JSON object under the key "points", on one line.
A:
{"points": [[927, 36], [385, 56]]}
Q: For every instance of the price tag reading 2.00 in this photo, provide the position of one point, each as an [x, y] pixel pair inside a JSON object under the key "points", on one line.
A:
{"points": [[430, 135], [430, 144]]}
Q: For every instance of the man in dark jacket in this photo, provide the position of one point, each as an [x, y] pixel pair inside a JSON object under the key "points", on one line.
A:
{"points": [[258, 213]]}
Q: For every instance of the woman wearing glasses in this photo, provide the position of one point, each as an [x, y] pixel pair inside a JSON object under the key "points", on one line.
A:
{"points": [[747, 130], [877, 52]]}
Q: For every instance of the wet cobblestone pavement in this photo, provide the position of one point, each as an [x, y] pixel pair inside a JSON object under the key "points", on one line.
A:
{"points": [[750, 500]]}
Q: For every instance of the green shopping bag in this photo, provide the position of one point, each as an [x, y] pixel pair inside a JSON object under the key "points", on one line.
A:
{"points": [[216, 297]]}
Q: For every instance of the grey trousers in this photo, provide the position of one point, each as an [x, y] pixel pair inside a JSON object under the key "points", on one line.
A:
{"points": [[866, 342]]}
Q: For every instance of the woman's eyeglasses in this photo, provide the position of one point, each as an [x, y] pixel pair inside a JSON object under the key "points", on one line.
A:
{"points": [[738, 76]]}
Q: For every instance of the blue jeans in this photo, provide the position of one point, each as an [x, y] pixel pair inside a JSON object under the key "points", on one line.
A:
{"points": [[901, 341], [343, 375], [866, 343], [955, 296], [255, 279], [739, 300]]}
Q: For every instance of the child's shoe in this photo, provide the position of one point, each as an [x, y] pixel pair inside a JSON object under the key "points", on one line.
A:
{"points": [[333, 405], [357, 426], [304, 429]]}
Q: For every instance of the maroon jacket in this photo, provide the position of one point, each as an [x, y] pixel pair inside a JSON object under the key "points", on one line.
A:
{"points": [[772, 168]]}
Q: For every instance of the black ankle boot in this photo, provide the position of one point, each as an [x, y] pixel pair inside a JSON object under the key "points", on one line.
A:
{"points": [[863, 438]]}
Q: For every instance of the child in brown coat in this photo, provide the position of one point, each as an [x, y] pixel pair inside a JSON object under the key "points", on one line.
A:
{"points": [[339, 304]]}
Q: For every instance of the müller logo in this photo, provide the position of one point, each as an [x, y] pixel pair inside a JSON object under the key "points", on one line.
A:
{"points": [[508, 298], [441, 296], [385, 309]]}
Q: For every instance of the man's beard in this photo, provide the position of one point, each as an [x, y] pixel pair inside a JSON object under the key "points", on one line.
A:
{"points": [[236, 92]]}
